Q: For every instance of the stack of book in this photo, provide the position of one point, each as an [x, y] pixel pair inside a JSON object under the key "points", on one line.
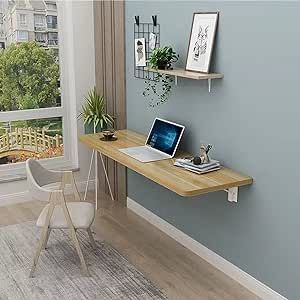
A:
{"points": [[187, 164]]}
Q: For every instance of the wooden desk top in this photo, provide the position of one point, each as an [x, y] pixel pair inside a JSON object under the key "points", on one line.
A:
{"points": [[163, 172]]}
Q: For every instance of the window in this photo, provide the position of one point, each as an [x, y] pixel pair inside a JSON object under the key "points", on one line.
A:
{"points": [[38, 138], [39, 22], [22, 36], [52, 22], [52, 38], [34, 118], [51, 6], [22, 19], [41, 37]]}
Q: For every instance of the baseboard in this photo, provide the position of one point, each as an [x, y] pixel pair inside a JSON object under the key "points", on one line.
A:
{"points": [[21, 197], [252, 284]]}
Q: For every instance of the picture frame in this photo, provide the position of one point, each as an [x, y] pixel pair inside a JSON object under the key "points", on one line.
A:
{"points": [[140, 52], [201, 42]]}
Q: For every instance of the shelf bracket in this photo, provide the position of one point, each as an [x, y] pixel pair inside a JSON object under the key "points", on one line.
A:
{"points": [[209, 85], [232, 194]]}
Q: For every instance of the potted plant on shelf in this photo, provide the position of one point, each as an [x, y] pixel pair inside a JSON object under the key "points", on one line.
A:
{"points": [[161, 59], [94, 115]]}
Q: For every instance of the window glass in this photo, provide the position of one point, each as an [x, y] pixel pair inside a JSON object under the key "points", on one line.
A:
{"points": [[22, 35], [29, 77], [22, 19], [41, 37], [52, 22], [38, 138], [39, 20], [32, 117], [53, 38], [51, 6]]}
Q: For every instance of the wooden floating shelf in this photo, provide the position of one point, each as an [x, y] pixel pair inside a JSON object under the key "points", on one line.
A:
{"points": [[188, 74]]}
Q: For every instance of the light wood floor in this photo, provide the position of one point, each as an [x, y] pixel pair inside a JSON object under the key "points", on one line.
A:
{"points": [[179, 272]]}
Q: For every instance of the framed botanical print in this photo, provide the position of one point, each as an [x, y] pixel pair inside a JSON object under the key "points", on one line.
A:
{"points": [[203, 32]]}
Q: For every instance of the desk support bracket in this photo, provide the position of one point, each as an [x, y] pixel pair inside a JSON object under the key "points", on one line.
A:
{"points": [[209, 85], [232, 194]]}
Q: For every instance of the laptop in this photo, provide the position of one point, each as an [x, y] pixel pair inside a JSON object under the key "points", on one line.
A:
{"points": [[161, 143]]}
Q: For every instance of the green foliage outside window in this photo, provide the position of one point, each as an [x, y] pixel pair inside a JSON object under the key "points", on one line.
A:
{"points": [[29, 77]]}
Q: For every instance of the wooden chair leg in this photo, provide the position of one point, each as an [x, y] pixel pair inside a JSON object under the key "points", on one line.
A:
{"points": [[47, 238], [42, 240], [92, 238], [84, 268]]}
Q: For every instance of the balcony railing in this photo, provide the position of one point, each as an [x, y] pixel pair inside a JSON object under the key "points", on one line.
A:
{"points": [[40, 27], [42, 43], [52, 26], [52, 42]]}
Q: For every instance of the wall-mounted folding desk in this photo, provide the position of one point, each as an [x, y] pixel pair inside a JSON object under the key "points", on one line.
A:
{"points": [[176, 179]]}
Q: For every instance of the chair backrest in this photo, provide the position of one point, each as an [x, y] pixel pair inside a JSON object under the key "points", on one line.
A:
{"points": [[37, 177]]}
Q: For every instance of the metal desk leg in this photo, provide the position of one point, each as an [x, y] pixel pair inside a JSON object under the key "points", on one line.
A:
{"points": [[89, 176], [106, 176], [94, 155]]}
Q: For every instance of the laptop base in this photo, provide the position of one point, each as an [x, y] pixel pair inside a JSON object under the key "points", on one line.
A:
{"points": [[144, 154]]}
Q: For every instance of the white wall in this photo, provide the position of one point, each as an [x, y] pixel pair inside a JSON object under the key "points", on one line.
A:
{"points": [[84, 69]]}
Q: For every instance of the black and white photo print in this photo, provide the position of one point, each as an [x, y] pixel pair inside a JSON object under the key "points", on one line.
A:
{"points": [[152, 41], [140, 52], [201, 42]]}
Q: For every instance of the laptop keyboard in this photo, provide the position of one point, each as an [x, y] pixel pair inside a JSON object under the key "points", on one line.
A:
{"points": [[143, 153]]}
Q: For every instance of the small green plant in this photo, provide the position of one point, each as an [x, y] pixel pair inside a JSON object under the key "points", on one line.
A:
{"points": [[94, 111], [162, 59]]}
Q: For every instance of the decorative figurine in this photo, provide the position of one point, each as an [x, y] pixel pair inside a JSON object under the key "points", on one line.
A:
{"points": [[203, 158], [203, 154]]}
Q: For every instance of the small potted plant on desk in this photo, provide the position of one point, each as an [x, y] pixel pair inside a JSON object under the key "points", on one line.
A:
{"points": [[94, 115], [96, 119], [161, 59]]}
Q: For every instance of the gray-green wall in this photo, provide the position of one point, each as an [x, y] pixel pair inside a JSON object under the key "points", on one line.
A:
{"points": [[252, 119]]}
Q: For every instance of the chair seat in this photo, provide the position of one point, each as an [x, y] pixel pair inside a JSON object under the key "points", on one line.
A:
{"points": [[82, 215]]}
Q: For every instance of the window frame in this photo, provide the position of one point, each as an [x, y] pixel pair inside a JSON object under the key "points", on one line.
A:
{"points": [[42, 18], [41, 34], [51, 6], [67, 110], [19, 39], [52, 17], [21, 15]]}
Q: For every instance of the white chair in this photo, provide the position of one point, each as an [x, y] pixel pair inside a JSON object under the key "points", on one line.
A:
{"points": [[58, 213]]}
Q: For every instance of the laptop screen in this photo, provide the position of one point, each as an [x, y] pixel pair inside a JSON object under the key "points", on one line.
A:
{"points": [[165, 136]]}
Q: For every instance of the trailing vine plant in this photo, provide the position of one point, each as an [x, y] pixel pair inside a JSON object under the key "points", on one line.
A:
{"points": [[159, 90], [158, 94]]}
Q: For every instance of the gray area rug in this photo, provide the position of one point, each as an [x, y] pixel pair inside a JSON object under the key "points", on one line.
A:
{"points": [[58, 272]]}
